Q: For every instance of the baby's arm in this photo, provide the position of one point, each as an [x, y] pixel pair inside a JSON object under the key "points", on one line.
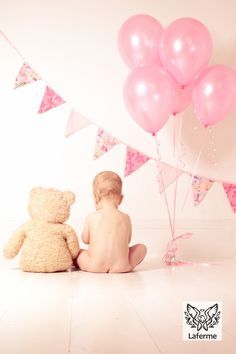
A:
{"points": [[86, 233], [129, 225]]}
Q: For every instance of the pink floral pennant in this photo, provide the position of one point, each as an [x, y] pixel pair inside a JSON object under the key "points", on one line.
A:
{"points": [[200, 187], [230, 190], [50, 100], [169, 175], [104, 142], [26, 76], [75, 123], [134, 160]]}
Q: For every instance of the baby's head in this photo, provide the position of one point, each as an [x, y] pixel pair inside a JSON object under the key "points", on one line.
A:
{"points": [[107, 185]]}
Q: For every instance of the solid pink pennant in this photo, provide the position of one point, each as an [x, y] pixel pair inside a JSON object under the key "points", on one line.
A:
{"points": [[134, 160], [75, 123], [104, 142], [230, 190], [50, 100], [169, 175], [26, 76], [200, 188]]}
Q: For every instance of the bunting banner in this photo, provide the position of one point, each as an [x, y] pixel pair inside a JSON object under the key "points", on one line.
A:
{"points": [[104, 143], [200, 188], [169, 175], [75, 123], [230, 190], [26, 76], [134, 160], [50, 100]]}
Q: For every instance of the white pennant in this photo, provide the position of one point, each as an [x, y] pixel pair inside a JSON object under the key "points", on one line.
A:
{"points": [[75, 123]]}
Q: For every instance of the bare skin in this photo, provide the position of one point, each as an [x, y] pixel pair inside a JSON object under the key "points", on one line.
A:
{"points": [[108, 231]]}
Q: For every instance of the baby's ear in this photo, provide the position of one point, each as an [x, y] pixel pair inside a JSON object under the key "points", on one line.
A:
{"points": [[96, 198], [121, 198], [70, 196]]}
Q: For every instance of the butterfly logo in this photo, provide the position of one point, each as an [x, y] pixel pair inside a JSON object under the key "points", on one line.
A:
{"points": [[203, 318]]}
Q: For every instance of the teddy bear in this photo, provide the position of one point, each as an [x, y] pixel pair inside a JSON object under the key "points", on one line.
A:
{"points": [[46, 243]]}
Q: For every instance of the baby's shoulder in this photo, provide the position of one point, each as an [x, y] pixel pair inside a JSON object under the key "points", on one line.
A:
{"points": [[124, 216], [91, 216]]}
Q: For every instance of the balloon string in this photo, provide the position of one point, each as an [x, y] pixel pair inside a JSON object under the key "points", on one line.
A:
{"points": [[195, 168], [162, 182], [174, 139], [172, 247], [177, 153]]}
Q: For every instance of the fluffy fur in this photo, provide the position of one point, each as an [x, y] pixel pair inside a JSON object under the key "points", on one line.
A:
{"points": [[46, 243]]}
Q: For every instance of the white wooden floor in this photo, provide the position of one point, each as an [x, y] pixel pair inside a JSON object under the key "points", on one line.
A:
{"points": [[135, 313]]}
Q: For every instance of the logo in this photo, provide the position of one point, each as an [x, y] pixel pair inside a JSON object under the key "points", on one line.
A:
{"points": [[202, 321]]}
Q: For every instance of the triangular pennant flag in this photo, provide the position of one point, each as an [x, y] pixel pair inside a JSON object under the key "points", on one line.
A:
{"points": [[134, 160], [200, 187], [75, 123], [25, 76], [50, 100], [169, 175], [230, 190], [104, 142]]}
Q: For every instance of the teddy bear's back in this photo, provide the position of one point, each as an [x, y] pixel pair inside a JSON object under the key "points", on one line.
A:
{"points": [[45, 248]]}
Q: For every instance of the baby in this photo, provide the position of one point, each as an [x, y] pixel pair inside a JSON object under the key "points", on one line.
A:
{"points": [[108, 231]]}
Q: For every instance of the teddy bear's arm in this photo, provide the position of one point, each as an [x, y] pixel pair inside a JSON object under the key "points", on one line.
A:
{"points": [[14, 244], [72, 241]]}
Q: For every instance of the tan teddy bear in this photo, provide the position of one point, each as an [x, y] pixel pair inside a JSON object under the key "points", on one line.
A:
{"points": [[48, 245]]}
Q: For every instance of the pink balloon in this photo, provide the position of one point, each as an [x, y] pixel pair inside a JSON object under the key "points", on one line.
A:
{"points": [[139, 39], [185, 49], [182, 98], [214, 97], [148, 94]]}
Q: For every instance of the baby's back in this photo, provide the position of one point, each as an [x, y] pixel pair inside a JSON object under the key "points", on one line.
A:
{"points": [[110, 232]]}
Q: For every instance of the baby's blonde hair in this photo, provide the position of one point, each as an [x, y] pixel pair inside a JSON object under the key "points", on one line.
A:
{"points": [[107, 184]]}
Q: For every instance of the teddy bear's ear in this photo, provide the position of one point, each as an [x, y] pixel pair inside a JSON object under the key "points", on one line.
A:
{"points": [[70, 196], [34, 191]]}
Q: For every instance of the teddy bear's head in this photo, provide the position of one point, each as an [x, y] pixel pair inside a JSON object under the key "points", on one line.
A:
{"points": [[50, 204]]}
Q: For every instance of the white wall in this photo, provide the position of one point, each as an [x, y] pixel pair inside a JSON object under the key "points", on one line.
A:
{"points": [[72, 44]]}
